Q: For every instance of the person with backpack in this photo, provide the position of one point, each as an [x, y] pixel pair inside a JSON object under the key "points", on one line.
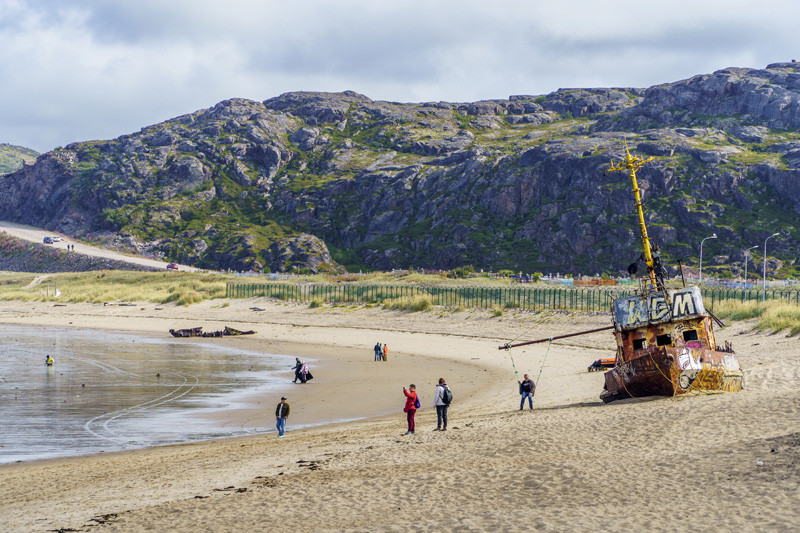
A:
{"points": [[441, 400], [412, 404], [527, 388]]}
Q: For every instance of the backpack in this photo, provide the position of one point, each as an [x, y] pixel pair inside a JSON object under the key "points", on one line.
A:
{"points": [[447, 396], [417, 405]]}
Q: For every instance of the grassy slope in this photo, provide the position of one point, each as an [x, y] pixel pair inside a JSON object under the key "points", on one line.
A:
{"points": [[11, 157]]}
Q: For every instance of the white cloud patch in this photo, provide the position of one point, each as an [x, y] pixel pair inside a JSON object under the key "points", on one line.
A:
{"points": [[86, 69]]}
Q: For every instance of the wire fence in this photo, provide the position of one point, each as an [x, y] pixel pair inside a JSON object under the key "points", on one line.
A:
{"points": [[538, 298]]}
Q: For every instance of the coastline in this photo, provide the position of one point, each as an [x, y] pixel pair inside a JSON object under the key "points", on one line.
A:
{"points": [[557, 467]]}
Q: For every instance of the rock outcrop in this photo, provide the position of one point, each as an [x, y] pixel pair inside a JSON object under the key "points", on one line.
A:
{"points": [[316, 181]]}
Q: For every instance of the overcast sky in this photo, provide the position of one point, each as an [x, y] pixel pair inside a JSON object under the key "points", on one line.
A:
{"points": [[76, 70]]}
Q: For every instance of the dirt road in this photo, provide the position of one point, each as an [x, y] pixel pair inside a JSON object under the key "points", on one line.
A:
{"points": [[29, 233]]}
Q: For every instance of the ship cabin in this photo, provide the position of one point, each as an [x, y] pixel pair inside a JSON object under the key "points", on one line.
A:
{"points": [[673, 320]]}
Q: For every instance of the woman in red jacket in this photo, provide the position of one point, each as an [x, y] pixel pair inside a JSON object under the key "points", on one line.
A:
{"points": [[411, 406]]}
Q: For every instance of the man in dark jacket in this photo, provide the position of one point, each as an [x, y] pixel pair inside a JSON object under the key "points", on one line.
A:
{"points": [[526, 388], [281, 414], [296, 369]]}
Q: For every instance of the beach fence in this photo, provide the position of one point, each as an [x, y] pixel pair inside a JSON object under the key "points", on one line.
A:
{"points": [[535, 298], [712, 296], [472, 296]]}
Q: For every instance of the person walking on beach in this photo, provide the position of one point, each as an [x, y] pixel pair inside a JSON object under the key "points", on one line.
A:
{"points": [[441, 404], [526, 388], [385, 351], [411, 406], [378, 351], [281, 414], [296, 369]]}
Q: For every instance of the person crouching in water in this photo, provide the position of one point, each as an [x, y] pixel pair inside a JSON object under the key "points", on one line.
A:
{"points": [[411, 406], [305, 375]]}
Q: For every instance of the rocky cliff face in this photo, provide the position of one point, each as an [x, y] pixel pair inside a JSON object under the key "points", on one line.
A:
{"points": [[319, 180]]}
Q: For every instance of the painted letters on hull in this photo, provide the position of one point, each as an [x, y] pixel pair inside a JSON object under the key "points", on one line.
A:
{"points": [[635, 312]]}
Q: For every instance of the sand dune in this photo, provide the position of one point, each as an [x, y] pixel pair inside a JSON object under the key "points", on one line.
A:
{"points": [[707, 462]]}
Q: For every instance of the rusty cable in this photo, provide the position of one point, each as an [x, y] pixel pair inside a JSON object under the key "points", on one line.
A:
{"points": [[549, 344]]}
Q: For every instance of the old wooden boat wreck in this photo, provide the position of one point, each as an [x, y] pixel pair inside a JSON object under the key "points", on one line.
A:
{"points": [[665, 337], [198, 332]]}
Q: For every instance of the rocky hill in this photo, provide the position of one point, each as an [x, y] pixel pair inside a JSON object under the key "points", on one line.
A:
{"points": [[323, 180], [12, 158]]}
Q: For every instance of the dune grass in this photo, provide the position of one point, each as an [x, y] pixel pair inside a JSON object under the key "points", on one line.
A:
{"points": [[417, 303], [182, 288], [774, 316], [187, 288]]}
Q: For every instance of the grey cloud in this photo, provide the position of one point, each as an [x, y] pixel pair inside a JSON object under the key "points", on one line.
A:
{"points": [[111, 67]]}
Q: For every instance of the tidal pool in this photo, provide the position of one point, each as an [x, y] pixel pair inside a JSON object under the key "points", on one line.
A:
{"points": [[111, 391]]}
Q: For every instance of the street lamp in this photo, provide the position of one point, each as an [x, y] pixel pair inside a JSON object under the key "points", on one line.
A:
{"points": [[764, 287], [746, 255], [714, 236]]}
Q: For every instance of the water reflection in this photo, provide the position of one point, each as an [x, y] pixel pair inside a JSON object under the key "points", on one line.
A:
{"points": [[112, 391]]}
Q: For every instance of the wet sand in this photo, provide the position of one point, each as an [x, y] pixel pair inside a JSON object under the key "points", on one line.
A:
{"points": [[709, 462]]}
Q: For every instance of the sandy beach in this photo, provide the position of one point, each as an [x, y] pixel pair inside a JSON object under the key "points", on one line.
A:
{"points": [[709, 462]]}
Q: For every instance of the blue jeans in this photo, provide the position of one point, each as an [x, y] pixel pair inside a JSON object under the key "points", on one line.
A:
{"points": [[529, 396], [281, 425], [441, 415]]}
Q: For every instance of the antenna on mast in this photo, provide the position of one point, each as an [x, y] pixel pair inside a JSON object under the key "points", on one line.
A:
{"points": [[652, 257]]}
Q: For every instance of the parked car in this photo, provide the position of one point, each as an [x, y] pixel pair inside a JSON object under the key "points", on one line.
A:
{"points": [[48, 240], [56, 239], [172, 266]]}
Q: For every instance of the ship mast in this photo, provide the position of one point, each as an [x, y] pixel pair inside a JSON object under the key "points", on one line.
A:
{"points": [[632, 164]]}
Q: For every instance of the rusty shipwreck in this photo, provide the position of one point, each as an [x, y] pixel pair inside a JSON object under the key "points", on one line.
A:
{"points": [[665, 337]]}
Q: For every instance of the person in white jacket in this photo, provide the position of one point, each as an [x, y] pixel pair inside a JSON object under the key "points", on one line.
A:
{"points": [[441, 407]]}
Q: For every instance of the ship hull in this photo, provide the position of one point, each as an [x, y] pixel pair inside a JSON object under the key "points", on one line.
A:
{"points": [[672, 371]]}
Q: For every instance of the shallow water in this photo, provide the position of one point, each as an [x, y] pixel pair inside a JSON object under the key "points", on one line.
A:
{"points": [[115, 391]]}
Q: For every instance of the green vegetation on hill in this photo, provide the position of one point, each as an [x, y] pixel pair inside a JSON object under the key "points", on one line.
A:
{"points": [[315, 182], [13, 157]]}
